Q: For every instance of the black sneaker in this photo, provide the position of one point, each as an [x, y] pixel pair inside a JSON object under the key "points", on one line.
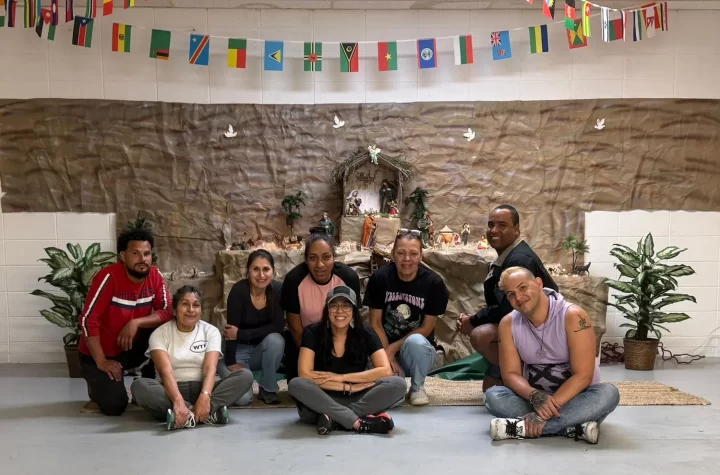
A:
{"points": [[380, 424], [267, 397], [325, 425]]}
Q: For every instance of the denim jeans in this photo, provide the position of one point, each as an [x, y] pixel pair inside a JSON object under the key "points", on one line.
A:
{"points": [[416, 356], [265, 357], [593, 404]]}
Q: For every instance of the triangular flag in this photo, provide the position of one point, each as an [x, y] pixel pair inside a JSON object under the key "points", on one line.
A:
{"points": [[549, 8]]}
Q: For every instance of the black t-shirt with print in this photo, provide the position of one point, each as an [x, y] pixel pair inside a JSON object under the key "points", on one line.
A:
{"points": [[405, 304], [343, 365]]}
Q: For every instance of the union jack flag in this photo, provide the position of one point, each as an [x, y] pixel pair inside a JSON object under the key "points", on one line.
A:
{"points": [[501, 52], [495, 38]]}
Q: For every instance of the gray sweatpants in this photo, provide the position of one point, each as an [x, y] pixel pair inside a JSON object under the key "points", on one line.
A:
{"points": [[151, 396], [341, 408]]}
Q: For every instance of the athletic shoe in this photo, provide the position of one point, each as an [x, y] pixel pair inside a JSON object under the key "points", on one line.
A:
{"points": [[170, 419], [510, 428], [268, 397], [221, 416], [589, 432], [325, 425], [418, 397], [380, 424]]}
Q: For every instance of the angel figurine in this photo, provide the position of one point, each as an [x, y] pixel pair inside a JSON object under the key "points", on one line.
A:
{"points": [[352, 207], [373, 151]]}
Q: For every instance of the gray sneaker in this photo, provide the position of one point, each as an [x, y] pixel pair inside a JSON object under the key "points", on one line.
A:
{"points": [[589, 432], [418, 397], [267, 397]]}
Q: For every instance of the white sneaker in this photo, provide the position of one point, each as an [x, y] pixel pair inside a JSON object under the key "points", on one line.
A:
{"points": [[589, 432], [501, 429], [419, 397]]}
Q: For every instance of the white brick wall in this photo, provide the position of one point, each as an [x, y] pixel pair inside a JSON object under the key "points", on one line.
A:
{"points": [[682, 62], [699, 232], [25, 336]]}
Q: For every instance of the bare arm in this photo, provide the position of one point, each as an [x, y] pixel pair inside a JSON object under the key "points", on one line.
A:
{"points": [[427, 327], [510, 363], [295, 325], [381, 369], [330, 381], [581, 341], [209, 370], [376, 315], [162, 363]]}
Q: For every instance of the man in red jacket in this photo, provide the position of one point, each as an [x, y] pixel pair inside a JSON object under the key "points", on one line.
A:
{"points": [[126, 302]]}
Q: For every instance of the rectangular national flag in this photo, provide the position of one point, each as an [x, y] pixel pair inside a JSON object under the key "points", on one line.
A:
{"points": [[10, 13], [45, 28], [549, 8], [539, 39], [91, 8], [569, 14], [160, 45], [463, 49], [31, 13], [387, 56], [121, 36], [576, 38], [639, 32], [611, 29], [128, 3], [237, 53], [586, 13], [274, 55], [427, 53], [69, 14], [199, 50], [82, 32], [312, 56], [500, 42], [649, 15], [107, 7], [661, 16], [349, 58], [54, 11]]}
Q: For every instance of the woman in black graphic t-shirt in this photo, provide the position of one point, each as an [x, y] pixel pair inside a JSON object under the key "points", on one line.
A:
{"points": [[405, 300], [335, 385]]}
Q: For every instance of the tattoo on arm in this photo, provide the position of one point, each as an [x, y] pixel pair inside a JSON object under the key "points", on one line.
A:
{"points": [[538, 399], [533, 418], [582, 325]]}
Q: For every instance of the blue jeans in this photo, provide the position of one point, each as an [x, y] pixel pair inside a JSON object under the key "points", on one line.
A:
{"points": [[416, 356], [593, 404], [265, 357]]}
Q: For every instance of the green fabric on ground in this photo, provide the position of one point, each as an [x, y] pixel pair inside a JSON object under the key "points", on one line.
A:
{"points": [[470, 368]]}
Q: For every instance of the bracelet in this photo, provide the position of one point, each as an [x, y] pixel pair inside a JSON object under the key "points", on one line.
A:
{"points": [[205, 392]]}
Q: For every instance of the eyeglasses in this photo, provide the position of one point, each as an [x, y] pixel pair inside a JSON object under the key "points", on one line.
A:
{"points": [[338, 306], [412, 232]]}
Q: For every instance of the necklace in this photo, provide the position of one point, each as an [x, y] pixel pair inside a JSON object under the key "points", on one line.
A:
{"points": [[541, 353]]}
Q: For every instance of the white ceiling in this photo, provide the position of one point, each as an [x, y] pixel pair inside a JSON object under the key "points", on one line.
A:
{"points": [[404, 4]]}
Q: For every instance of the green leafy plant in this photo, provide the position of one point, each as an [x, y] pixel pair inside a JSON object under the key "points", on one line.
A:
{"points": [[143, 222], [72, 274], [291, 204], [647, 287], [417, 197], [577, 247]]}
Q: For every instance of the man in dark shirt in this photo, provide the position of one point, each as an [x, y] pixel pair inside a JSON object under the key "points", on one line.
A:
{"points": [[503, 234]]}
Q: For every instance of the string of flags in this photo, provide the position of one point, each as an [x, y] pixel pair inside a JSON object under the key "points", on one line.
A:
{"points": [[645, 20]]}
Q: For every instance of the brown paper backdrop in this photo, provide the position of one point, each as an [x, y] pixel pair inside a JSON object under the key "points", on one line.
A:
{"points": [[173, 162]]}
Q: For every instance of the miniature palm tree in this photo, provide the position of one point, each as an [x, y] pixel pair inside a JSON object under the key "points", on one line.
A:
{"points": [[291, 205], [571, 243]]}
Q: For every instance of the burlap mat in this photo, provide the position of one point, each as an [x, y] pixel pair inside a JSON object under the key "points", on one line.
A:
{"points": [[442, 392]]}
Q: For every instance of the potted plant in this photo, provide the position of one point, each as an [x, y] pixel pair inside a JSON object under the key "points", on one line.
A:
{"points": [[577, 247], [647, 285], [73, 275], [291, 205]]}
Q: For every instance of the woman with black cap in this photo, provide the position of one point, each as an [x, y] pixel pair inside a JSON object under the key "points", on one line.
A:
{"points": [[335, 387]]}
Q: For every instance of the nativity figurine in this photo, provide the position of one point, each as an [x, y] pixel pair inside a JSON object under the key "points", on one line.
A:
{"points": [[465, 234], [483, 244], [367, 229], [425, 226], [387, 195], [352, 204], [393, 211], [327, 224]]}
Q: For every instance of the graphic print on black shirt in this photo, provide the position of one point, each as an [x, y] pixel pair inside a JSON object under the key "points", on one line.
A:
{"points": [[405, 304]]}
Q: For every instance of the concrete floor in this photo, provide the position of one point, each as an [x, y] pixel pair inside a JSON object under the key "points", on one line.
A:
{"points": [[42, 431]]}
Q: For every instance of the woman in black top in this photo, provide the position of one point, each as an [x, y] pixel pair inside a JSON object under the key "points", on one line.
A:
{"points": [[334, 385], [255, 323]]}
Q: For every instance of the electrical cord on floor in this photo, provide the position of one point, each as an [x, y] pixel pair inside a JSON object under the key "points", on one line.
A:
{"points": [[668, 355]]}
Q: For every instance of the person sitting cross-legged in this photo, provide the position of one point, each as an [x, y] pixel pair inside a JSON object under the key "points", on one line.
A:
{"points": [[547, 359], [186, 353], [335, 387]]}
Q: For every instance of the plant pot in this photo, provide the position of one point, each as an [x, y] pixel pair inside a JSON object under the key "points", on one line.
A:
{"points": [[640, 354], [72, 356]]}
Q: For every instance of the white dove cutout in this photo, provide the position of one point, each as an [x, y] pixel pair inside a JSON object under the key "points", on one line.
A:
{"points": [[600, 124], [338, 123], [469, 135], [230, 132]]}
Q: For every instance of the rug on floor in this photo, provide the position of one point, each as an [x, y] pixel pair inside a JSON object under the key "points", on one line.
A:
{"points": [[443, 392]]}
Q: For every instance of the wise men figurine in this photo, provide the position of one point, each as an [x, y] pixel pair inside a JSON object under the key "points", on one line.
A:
{"points": [[327, 223]]}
